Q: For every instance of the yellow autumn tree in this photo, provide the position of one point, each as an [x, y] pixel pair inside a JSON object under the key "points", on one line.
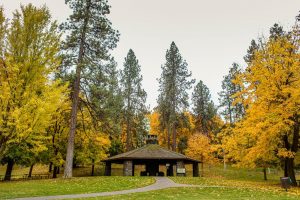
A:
{"points": [[91, 144], [185, 129], [156, 129], [200, 148], [271, 90], [57, 135], [154, 123], [28, 96]]}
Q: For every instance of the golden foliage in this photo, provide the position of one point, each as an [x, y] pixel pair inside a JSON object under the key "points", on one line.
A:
{"points": [[271, 95], [200, 148], [28, 97]]}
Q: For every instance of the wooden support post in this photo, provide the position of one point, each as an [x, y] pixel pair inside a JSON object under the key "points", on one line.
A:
{"points": [[107, 169], [132, 169], [195, 169]]}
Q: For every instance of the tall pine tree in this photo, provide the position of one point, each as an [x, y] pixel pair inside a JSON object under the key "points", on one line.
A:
{"points": [[90, 37], [233, 110], [103, 97], [204, 109], [134, 99], [251, 52], [174, 84]]}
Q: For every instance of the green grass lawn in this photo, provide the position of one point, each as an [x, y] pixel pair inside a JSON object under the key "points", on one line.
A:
{"points": [[240, 178], [236, 184], [78, 185], [204, 194]]}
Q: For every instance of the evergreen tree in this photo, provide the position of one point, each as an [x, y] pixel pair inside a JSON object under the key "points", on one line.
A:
{"points": [[182, 144], [233, 109], [90, 37], [3, 27], [103, 98], [174, 85], [204, 109], [276, 31], [134, 100], [251, 51]]}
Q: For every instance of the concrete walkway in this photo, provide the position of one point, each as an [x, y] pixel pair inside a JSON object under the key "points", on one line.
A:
{"points": [[161, 183]]}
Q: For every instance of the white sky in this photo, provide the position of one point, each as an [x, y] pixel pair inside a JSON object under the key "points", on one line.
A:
{"points": [[210, 34]]}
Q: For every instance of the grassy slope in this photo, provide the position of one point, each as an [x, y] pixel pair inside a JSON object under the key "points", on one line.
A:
{"points": [[70, 186]]}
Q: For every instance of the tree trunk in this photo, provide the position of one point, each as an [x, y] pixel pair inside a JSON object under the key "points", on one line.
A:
{"points": [[289, 162], [128, 135], [50, 167], [55, 172], [285, 168], [9, 169], [169, 137], [202, 169], [289, 170], [68, 173], [70, 149], [224, 161], [30, 171], [265, 173], [174, 137], [58, 170], [93, 167], [229, 111]]}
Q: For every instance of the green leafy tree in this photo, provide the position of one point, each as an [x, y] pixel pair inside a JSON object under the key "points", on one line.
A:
{"points": [[89, 39], [134, 100], [174, 84]]}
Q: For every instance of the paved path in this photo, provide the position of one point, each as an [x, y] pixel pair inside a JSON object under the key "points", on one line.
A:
{"points": [[161, 183]]}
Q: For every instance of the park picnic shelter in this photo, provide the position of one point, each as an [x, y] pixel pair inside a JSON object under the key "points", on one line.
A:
{"points": [[152, 156]]}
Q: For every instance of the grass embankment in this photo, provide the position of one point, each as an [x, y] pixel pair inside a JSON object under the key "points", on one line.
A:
{"points": [[78, 185]]}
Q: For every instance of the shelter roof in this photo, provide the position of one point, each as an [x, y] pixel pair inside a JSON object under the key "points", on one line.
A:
{"points": [[152, 152]]}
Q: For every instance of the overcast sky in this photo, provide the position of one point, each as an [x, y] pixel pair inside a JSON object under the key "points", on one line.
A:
{"points": [[210, 34]]}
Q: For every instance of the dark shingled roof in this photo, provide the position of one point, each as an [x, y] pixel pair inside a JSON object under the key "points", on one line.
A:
{"points": [[150, 151]]}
